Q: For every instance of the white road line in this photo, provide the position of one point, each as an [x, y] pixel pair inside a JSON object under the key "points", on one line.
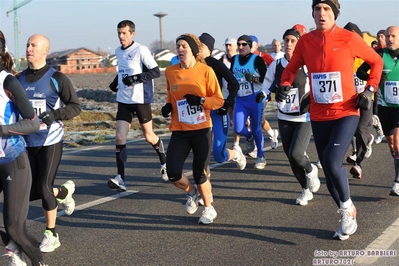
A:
{"points": [[94, 203], [383, 242]]}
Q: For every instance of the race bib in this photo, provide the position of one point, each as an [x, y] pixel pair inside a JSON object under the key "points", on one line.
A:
{"points": [[190, 114], [39, 105], [245, 88], [291, 103], [391, 92], [327, 87], [126, 72], [359, 84]]}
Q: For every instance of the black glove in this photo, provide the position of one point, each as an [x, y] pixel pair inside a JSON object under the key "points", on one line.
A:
{"points": [[363, 99], [129, 80], [260, 96], [282, 92], [47, 118], [193, 99], [113, 86], [166, 109], [304, 103], [223, 110], [251, 78]]}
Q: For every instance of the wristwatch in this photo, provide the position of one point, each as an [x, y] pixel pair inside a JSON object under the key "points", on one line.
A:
{"points": [[370, 88], [202, 100]]}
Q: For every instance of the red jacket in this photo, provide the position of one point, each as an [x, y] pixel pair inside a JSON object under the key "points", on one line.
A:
{"points": [[332, 51]]}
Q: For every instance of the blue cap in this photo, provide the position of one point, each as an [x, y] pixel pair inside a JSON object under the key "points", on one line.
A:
{"points": [[254, 38]]}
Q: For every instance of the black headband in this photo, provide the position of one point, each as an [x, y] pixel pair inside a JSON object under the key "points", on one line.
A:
{"points": [[292, 32], [193, 45], [334, 8]]}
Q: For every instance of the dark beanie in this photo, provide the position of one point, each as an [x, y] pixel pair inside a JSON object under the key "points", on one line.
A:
{"points": [[208, 40], [292, 32], [334, 4], [381, 32], [353, 27], [246, 38]]}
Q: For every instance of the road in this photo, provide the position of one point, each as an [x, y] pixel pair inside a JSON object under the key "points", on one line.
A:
{"points": [[258, 222]]}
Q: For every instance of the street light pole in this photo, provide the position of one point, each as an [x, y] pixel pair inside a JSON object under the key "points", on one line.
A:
{"points": [[160, 15]]}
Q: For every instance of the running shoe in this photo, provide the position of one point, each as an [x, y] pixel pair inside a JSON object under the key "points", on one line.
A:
{"points": [[395, 190], [351, 158], [192, 202], [250, 145], [318, 164], [305, 196], [117, 183], [260, 163], [356, 171], [68, 203], [348, 224], [163, 172], [378, 139], [378, 129], [240, 160], [201, 200], [313, 180], [208, 215], [49, 242], [369, 148], [15, 254], [254, 153], [274, 139]]}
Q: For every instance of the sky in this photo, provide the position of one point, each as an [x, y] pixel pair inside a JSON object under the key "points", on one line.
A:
{"points": [[93, 24]]}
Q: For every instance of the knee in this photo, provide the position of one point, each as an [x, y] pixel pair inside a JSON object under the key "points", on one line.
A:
{"points": [[173, 175]]}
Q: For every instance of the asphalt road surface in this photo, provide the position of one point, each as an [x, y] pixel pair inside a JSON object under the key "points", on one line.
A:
{"points": [[258, 222]]}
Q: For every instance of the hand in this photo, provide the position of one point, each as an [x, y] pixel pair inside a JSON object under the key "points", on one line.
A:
{"points": [[251, 78], [129, 80], [193, 99], [282, 92], [113, 86], [260, 96], [363, 99], [47, 118], [166, 109], [304, 103], [223, 110]]}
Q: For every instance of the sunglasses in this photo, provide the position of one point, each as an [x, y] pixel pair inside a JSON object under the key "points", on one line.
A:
{"points": [[242, 44]]}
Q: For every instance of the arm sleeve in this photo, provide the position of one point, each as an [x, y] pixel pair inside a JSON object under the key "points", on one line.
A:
{"points": [[150, 66], [29, 122], [368, 54], [261, 66], [232, 82], [68, 96], [269, 80], [214, 98], [150, 74]]}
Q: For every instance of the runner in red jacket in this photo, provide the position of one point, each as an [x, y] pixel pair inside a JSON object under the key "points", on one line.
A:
{"points": [[328, 52]]}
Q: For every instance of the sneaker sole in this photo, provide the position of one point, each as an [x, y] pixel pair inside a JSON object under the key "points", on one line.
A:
{"points": [[392, 193], [112, 185], [355, 174], [339, 236], [50, 250]]}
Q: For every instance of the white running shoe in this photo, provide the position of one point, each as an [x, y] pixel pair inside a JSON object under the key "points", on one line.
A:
{"points": [[49, 242], [348, 224], [351, 159], [318, 164], [305, 196], [208, 215], [274, 139], [369, 147], [254, 153], [378, 139], [68, 202], [240, 160], [201, 200], [192, 202], [313, 180], [395, 190], [16, 255], [163, 172], [117, 183], [260, 163]]}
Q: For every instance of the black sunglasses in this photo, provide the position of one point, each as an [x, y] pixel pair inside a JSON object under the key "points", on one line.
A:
{"points": [[242, 44]]}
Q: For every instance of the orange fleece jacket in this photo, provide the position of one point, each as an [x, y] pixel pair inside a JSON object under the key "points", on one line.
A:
{"points": [[199, 80]]}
